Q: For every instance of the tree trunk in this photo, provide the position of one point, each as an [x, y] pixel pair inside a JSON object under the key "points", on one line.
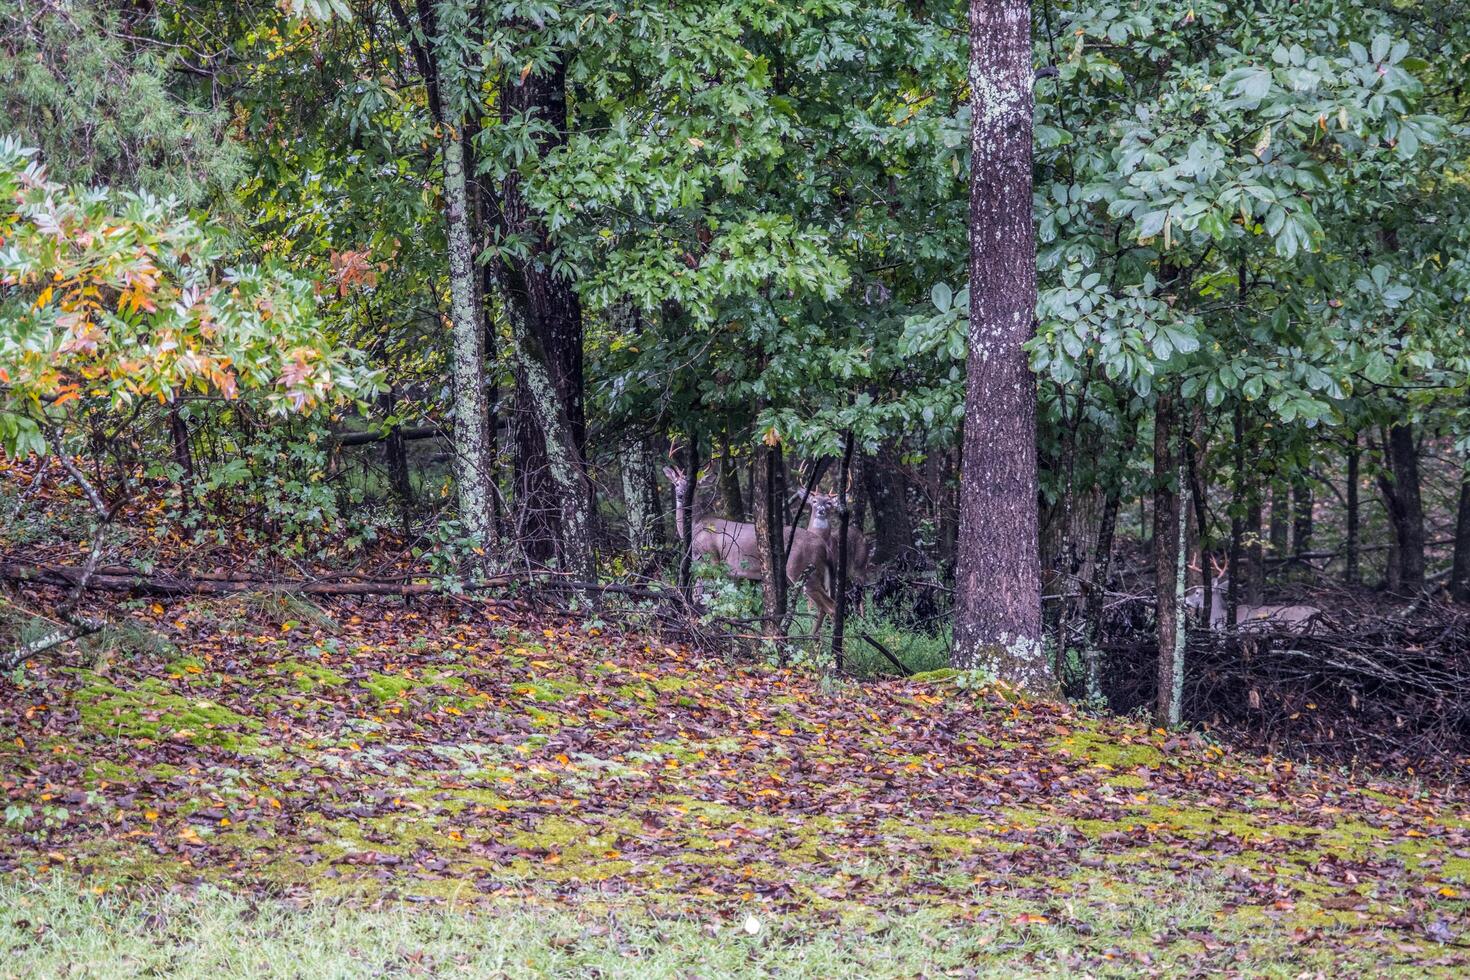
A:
{"points": [[640, 499], [1255, 552], [1351, 573], [1302, 505], [473, 470], [892, 525], [769, 519], [565, 469], [839, 617], [1237, 522], [1460, 569], [395, 454], [730, 496], [1406, 507], [551, 312], [1168, 544], [998, 574], [1280, 522], [1097, 591]]}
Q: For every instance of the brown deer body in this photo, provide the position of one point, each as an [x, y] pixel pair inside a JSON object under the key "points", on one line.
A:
{"points": [[734, 545]]}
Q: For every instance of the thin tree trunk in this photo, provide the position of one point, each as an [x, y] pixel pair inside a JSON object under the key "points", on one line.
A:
{"points": [[1404, 461], [1460, 569], [178, 431], [395, 454], [1255, 552], [730, 495], [1237, 524], [1169, 478], [1280, 522], [1192, 441], [998, 573], [473, 471], [1302, 505], [1097, 590], [769, 513], [1351, 573], [686, 526], [892, 526], [839, 617], [640, 499]]}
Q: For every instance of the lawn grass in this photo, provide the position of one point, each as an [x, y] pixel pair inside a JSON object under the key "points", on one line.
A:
{"points": [[57, 928]]}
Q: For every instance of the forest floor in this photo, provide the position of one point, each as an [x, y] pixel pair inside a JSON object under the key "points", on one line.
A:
{"points": [[367, 787]]}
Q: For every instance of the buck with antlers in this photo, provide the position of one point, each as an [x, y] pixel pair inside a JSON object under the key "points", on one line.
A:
{"points": [[1249, 618], [733, 544]]}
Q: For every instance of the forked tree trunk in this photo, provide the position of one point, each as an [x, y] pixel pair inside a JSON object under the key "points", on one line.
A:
{"points": [[998, 574], [552, 315]]}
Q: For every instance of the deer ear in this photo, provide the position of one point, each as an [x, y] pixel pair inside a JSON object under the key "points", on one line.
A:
{"points": [[673, 475]]}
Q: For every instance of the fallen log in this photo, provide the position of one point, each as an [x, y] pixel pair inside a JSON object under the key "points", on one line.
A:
{"points": [[163, 584]]}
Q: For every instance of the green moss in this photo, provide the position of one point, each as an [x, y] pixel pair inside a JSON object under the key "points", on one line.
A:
{"points": [[1106, 751], [150, 711], [308, 677], [388, 687], [935, 676]]}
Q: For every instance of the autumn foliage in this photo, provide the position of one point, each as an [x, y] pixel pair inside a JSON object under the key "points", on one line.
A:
{"points": [[119, 297]]}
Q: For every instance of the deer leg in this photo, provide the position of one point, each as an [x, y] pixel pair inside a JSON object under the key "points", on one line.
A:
{"points": [[822, 604]]}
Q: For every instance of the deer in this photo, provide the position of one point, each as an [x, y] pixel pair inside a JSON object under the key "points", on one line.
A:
{"points": [[733, 544], [1250, 618], [825, 511]]}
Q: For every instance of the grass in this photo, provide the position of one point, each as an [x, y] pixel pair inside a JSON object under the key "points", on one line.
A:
{"points": [[54, 928]]}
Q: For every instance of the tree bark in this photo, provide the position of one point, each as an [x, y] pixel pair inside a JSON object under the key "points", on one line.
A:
{"points": [[1168, 537], [998, 574], [1302, 505], [1280, 521], [565, 470], [1460, 568], [473, 469], [1237, 522], [550, 311], [1351, 573], [769, 518], [839, 617], [640, 499], [893, 528], [730, 495], [1255, 551], [1406, 506]]}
